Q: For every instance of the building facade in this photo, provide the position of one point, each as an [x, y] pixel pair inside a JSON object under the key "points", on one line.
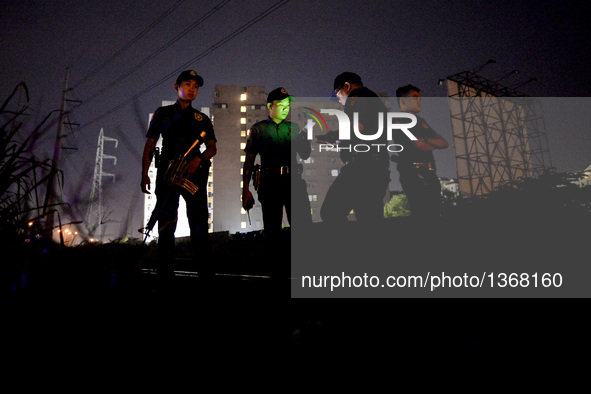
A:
{"points": [[234, 110]]}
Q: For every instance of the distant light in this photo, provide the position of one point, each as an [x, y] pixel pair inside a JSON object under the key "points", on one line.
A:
{"points": [[30, 224]]}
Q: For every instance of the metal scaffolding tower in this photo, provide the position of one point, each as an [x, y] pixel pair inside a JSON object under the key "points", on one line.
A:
{"points": [[94, 216], [498, 133]]}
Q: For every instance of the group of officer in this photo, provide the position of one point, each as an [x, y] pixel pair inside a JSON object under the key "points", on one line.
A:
{"points": [[360, 185]]}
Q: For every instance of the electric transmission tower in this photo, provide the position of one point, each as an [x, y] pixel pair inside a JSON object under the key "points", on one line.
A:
{"points": [[94, 216]]}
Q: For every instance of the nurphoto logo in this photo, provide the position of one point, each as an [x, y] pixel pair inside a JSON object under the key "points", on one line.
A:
{"points": [[385, 122]]}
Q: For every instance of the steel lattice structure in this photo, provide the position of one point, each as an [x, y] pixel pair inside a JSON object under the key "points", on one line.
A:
{"points": [[94, 216], [498, 134]]}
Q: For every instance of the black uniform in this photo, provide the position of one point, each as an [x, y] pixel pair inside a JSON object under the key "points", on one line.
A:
{"points": [[179, 128], [362, 182], [278, 144], [417, 173]]}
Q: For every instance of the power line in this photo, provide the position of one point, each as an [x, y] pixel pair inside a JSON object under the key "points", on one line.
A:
{"points": [[83, 53], [130, 43], [209, 50], [160, 50]]}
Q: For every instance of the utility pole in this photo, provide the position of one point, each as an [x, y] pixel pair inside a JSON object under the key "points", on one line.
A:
{"points": [[51, 198]]}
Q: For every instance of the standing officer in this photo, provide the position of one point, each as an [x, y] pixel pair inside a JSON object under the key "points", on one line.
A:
{"points": [[277, 141], [180, 125], [361, 185], [415, 162]]}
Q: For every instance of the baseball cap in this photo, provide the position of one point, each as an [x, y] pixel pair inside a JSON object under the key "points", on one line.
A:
{"points": [[278, 94], [342, 78], [188, 75]]}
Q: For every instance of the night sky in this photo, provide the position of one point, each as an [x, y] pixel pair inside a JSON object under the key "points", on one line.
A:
{"points": [[123, 57]]}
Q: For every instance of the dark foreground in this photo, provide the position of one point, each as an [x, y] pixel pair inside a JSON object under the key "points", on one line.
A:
{"points": [[100, 301]]}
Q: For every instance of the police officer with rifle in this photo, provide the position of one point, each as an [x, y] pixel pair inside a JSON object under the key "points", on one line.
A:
{"points": [[182, 171]]}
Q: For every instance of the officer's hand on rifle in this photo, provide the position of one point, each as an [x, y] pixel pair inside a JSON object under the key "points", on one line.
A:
{"points": [[193, 165], [146, 183], [247, 199]]}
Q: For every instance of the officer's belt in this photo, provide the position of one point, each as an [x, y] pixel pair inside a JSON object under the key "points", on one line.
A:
{"points": [[429, 166], [283, 170]]}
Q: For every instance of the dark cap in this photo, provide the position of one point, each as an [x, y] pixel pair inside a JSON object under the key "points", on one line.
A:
{"points": [[342, 78], [188, 75], [278, 94]]}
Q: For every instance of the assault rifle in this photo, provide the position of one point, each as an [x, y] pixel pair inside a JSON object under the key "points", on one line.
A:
{"points": [[176, 175]]}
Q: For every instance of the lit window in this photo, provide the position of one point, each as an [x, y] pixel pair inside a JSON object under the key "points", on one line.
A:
{"points": [[242, 120], [242, 224], [241, 184], [243, 97], [243, 211], [242, 145], [243, 108], [242, 171], [242, 158], [242, 133], [334, 172]]}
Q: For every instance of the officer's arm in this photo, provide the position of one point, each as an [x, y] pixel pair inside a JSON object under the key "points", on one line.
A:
{"points": [[210, 150], [146, 160], [303, 147], [247, 198], [431, 143], [207, 154], [438, 142], [247, 169]]}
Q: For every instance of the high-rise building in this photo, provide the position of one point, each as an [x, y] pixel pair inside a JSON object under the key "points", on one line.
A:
{"points": [[235, 109]]}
